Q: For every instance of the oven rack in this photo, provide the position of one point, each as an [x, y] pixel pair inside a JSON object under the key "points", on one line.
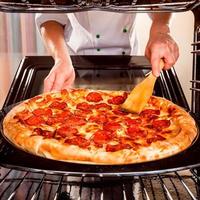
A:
{"points": [[196, 76], [52, 6], [28, 185]]}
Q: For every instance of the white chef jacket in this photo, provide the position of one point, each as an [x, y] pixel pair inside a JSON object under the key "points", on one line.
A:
{"points": [[96, 32]]}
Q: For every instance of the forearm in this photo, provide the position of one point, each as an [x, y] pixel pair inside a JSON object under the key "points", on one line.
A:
{"points": [[160, 22], [53, 35]]}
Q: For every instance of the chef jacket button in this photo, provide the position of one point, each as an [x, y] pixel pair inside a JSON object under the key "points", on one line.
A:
{"points": [[98, 49], [97, 36], [123, 52], [125, 30]]}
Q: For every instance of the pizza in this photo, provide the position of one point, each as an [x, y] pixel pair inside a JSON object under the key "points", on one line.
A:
{"points": [[89, 126]]}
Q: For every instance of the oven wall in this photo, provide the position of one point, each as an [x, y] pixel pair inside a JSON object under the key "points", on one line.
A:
{"points": [[17, 29]]}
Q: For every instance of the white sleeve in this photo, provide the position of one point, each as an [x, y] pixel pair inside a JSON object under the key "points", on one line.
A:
{"points": [[40, 18]]}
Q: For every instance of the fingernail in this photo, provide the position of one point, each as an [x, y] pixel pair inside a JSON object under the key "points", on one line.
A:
{"points": [[157, 74]]}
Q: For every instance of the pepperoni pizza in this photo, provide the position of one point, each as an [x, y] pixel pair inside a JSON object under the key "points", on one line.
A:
{"points": [[88, 126]]}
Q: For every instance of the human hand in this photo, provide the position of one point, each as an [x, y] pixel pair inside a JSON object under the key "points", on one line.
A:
{"points": [[161, 46], [61, 76]]}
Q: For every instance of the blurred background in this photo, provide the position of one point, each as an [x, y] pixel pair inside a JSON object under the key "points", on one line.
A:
{"points": [[19, 37]]}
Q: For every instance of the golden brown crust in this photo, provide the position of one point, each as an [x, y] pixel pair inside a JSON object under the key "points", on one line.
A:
{"points": [[186, 124], [183, 128]]}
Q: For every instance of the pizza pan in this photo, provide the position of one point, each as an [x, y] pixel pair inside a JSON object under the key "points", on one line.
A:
{"points": [[12, 157]]}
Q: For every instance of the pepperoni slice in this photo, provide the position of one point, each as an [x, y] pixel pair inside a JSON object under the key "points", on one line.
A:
{"points": [[79, 141], [171, 110], [49, 97], [149, 112], [75, 121], [45, 133], [66, 131], [22, 116], [64, 114], [101, 137], [161, 124], [34, 120], [54, 120], [155, 138], [99, 119], [129, 141], [58, 105], [117, 147], [113, 117], [130, 122], [135, 131], [126, 140], [64, 92], [94, 97], [119, 112], [125, 95], [166, 131], [117, 100], [153, 101], [41, 103], [82, 113], [24, 113], [38, 131], [103, 106], [57, 99], [44, 101], [84, 106], [41, 111], [111, 126]]}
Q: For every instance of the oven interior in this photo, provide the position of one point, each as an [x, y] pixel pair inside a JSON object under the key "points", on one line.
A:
{"points": [[95, 72], [19, 182], [35, 179]]}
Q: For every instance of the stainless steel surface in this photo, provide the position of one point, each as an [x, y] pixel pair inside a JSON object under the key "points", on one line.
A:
{"points": [[109, 5], [196, 72]]}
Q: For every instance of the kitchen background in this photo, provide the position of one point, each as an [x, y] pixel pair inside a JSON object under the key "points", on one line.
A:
{"points": [[19, 37]]}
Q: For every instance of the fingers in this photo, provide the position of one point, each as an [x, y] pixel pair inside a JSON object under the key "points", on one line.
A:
{"points": [[48, 82], [58, 80], [58, 83], [63, 82], [176, 51], [68, 83], [155, 62], [164, 54], [161, 47]]}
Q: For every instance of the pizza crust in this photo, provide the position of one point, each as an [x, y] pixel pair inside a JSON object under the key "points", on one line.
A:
{"points": [[186, 124]]}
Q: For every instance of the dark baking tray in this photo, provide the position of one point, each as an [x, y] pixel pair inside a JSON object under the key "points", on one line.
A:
{"points": [[11, 156]]}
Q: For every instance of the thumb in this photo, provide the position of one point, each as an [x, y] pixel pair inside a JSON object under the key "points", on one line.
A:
{"points": [[156, 69]]}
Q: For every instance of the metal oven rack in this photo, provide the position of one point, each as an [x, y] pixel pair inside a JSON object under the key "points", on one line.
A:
{"points": [[196, 73], [43, 186]]}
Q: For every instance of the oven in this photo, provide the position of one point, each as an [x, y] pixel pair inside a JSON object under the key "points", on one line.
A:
{"points": [[25, 176]]}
